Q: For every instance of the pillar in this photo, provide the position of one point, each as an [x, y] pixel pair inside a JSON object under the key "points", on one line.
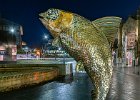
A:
{"points": [[120, 44], [138, 38]]}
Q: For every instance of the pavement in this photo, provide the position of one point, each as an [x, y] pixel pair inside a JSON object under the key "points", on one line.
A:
{"points": [[125, 86]]}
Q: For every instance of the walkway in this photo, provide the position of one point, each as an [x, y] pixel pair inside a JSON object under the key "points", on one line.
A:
{"points": [[125, 84]]}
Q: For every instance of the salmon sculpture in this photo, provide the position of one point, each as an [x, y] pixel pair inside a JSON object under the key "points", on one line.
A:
{"points": [[86, 43]]}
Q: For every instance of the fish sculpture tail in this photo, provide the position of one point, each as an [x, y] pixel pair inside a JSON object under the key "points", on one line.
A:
{"points": [[99, 69], [101, 86]]}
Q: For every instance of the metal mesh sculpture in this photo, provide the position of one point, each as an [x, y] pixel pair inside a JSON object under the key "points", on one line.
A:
{"points": [[85, 43]]}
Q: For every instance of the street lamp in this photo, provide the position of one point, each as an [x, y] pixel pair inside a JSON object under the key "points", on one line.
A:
{"points": [[45, 38], [26, 49], [12, 30]]}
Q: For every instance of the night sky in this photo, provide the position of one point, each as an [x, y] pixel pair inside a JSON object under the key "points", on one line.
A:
{"points": [[25, 13]]}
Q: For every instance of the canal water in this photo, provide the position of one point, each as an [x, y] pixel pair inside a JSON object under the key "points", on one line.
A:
{"points": [[75, 87]]}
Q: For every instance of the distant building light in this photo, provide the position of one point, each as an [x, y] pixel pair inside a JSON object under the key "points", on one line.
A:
{"points": [[23, 43], [12, 30]]}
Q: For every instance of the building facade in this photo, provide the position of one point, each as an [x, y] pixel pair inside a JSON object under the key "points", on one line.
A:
{"points": [[131, 40], [10, 39]]}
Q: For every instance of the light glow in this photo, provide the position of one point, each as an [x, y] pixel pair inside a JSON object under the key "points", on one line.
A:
{"points": [[12, 30]]}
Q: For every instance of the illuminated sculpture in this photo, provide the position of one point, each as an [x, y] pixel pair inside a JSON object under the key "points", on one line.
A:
{"points": [[86, 43]]}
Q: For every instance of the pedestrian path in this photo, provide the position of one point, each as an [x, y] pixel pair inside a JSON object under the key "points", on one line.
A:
{"points": [[125, 84], [134, 70]]}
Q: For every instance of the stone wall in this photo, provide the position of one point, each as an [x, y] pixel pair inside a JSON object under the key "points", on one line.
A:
{"points": [[17, 79]]}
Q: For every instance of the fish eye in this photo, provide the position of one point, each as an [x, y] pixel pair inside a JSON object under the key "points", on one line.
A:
{"points": [[52, 14]]}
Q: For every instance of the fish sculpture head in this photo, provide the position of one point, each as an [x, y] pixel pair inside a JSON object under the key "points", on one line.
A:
{"points": [[56, 20]]}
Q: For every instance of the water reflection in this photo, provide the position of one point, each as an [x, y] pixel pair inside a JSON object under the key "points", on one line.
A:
{"points": [[73, 87]]}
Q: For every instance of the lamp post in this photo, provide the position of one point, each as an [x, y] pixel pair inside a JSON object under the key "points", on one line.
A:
{"points": [[45, 38], [12, 30], [11, 40], [26, 50]]}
